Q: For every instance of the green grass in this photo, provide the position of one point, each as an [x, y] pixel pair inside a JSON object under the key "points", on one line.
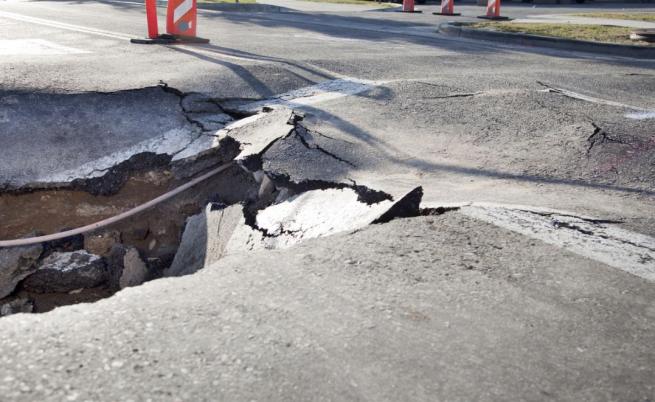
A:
{"points": [[596, 33], [227, 1], [621, 16], [360, 2]]}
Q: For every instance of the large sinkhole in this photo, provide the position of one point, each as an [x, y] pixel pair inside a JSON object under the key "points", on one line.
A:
{"points": [[110, 153]]}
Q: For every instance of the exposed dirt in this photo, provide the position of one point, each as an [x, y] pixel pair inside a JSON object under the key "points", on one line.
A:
{"points": [[155, 233], [44, 302], [51, 211]]}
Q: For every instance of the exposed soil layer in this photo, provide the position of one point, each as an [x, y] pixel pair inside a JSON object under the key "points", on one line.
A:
{"points": [[44, 302], [51, 211], [155, 233]]}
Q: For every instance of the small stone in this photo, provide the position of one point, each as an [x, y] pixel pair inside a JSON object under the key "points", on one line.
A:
{"points": [[126, 268], [135, 271], [64, 272], [16, 263], [101, 243]]}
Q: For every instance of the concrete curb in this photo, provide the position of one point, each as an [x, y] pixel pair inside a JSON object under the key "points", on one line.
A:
{"points": [[459, 29], [243, 8]]}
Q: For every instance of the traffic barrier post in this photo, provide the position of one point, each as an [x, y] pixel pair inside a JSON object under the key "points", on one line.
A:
{"points": [[493, 11], [408, 7], [447, 8], [181, 22]]}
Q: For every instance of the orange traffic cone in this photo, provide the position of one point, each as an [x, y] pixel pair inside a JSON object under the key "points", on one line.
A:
{"points": [[408, 7], [493, 11], [181, 17], [447, 8]]}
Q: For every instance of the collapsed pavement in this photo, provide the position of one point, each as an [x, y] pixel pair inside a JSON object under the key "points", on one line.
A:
{"points": [[267, 209], [259, 202]]}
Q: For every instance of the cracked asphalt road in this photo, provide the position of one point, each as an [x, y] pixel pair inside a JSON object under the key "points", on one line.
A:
{"points": [[449, 307]]}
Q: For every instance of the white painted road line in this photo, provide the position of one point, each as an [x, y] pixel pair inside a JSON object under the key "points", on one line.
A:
{"points": [[34, 47], [325, 91], [641, 115], [622, 249], [61, 25]]}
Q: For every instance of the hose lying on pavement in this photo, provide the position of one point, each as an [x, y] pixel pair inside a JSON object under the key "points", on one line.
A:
{"points": [[106, 222]]}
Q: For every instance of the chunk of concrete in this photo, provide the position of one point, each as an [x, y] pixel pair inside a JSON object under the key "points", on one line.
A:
{"points": [[15, 264], [101, 243], [319, 213], [63, 272], [125, 267], [252, 135], [207, 236], [256, 133], [215, 233], [135, 271]]}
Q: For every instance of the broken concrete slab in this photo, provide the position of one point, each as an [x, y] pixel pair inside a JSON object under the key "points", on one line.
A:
{"points": [[88, 134], [79, 127], [207, 238], [64, 272], [306, 156], [217, 232], [125, 267], [324, 212], [15, 264], [253, 134], [317, 213], [135, 271]]}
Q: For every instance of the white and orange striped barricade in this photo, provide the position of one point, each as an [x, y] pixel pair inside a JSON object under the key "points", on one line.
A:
{"points": [[408, 7], [181, 23], [493, 11], [447, 8]]}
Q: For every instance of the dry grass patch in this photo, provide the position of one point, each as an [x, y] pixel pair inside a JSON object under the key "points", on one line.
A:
{"points": [[595, 33]]}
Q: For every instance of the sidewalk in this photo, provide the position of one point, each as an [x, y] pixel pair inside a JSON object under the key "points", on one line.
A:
{"points": [[315, 6], [572, 19]]}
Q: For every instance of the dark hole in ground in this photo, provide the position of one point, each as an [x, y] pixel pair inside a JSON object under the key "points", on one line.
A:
{"points": [[155, 234]]}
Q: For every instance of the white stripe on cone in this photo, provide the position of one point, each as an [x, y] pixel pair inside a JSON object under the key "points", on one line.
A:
{"points": [[182, 9], [491, 7]]}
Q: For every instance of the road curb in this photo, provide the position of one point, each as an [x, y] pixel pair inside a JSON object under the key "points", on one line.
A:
{"points": [[243, 8], [459, 29]]}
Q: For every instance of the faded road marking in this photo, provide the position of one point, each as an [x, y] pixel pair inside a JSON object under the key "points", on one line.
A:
{"points": [[628, 251], [34, 47], [641, 113], [328, 90]]}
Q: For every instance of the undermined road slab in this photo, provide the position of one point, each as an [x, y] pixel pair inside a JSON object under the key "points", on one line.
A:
{"points": [[92, 135], [391, 312]]}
